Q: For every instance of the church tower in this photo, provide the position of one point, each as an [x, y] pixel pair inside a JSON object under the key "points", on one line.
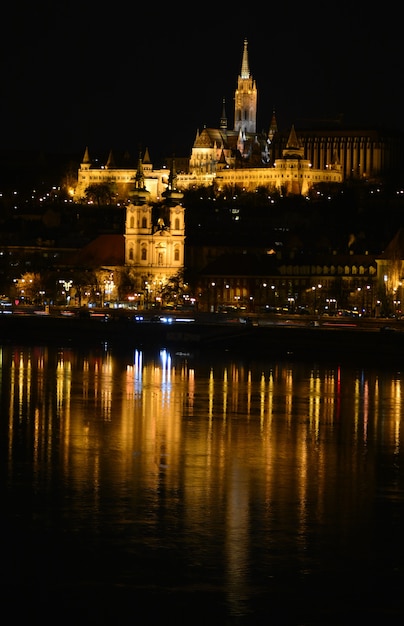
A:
{"points": [[154, 239], [139, 221], [245, 112]]}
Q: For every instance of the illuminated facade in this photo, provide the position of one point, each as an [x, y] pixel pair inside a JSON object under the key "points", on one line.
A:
{"points": [[361, 153], [154, 244], [122, 176], [292, 174], [290, 162], [245, 158], [218, 149]]}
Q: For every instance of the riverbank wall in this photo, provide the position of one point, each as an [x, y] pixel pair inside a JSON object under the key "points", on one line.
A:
{"points": [[272, 341]]}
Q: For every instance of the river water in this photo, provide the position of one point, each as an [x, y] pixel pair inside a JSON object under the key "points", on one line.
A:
{"points": [[148, 487]]}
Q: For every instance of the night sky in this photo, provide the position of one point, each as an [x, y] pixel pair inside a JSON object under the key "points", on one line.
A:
{"points": [[120, 76]]}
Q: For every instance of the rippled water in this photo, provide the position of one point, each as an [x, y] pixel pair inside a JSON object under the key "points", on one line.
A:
{"points": [[141, 487]]}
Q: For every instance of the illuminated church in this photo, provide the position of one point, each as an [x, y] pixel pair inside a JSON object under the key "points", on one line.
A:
{"points": [[154, 242], [290, 162], [243, 158]]}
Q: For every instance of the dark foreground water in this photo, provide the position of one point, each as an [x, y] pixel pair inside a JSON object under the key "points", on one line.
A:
{"points": [[151, 488]]}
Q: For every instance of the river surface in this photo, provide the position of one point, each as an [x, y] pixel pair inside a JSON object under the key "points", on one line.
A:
{"points": [[162, 487]]}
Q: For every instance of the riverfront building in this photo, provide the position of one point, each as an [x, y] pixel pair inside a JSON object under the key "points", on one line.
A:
{"points": [[154, 242]]}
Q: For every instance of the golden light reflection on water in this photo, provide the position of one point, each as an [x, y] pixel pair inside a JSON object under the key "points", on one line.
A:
{"points": [[211, 444], [154, 402]]}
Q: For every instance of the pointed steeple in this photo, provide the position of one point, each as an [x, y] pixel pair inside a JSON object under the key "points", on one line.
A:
{"points": [[223, 119], [86, 162], [293, 141], [171, 194], [140, 195], [294, 148], [139, 178], [245, 69], [172, 179], [273, 127], [111, 161], [86, 157], [245, 98], [146, 156]]}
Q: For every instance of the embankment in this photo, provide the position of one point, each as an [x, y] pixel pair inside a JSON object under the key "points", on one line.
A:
{"points": [[365, 346]]}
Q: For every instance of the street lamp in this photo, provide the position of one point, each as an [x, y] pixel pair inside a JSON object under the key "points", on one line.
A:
{"points": [[213, 306], [66, 289], [314, 289]]}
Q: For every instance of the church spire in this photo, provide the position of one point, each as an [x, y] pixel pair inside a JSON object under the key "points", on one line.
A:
{"points": [[223, 119], [140, 195], [273, 127], [245, 100], [172, 195], [139, 179], [245, 69]]}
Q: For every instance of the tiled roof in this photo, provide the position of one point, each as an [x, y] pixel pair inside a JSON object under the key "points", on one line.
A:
{"points": [[395, 249], [104, 250]]}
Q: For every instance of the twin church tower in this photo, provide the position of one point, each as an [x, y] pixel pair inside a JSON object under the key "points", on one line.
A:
{"points": [[288, 162]]}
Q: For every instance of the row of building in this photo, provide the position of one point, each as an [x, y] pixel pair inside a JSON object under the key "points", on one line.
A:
{"points": [[289, 161], [152, 250]]}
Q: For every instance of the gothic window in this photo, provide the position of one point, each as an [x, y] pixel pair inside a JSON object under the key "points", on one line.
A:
{"points": [[144, 254], [144, 222]]}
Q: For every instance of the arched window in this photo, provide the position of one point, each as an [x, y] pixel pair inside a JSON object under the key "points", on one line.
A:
{"points": [[176, 254], [144, 222], [132, 222], [144, 254], [177, 223], [131, 254]]}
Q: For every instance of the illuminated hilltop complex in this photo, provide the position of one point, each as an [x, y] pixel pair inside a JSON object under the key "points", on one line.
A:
{"points": [[290, 162], [151, 251]]}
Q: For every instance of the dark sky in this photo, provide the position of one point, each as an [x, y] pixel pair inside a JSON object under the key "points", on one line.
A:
{"points": [[120, 76]]}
